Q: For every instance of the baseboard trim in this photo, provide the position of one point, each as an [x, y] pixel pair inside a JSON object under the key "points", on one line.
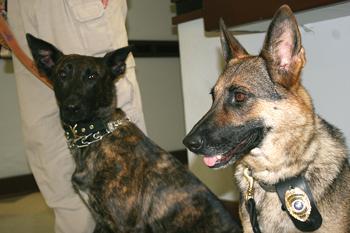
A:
{"points": [[154, 48], [181, 155], [17, 185]]}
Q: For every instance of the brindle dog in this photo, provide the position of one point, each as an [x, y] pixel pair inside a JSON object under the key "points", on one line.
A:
{"points": [[262, 120], [128, 182]]}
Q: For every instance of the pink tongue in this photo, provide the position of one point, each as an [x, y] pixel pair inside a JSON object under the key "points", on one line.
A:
{"points": [[209, 161]]}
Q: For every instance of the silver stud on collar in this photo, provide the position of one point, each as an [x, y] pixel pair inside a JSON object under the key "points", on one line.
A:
{"points": [[78, 141]]}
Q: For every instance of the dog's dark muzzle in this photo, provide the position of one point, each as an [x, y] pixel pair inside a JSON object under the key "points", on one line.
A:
{"points": [[72, 110], [223, 145]]}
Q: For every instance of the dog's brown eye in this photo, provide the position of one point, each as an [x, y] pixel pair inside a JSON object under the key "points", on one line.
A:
{"points": [[240, 97]]}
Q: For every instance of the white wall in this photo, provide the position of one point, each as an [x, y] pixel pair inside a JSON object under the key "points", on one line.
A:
{"points": [[160, 84], [325, 76], [150, 20], [159, 78]]}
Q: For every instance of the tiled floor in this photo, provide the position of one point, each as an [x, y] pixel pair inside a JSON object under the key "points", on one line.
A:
{"points": [[25, 214]]}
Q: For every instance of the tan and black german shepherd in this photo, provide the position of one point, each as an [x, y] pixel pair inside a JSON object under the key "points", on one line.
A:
{"points": [[263, 119]]}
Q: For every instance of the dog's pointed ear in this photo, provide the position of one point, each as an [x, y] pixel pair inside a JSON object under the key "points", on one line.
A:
{"points": [[115, 60], [282, 48], [231, 48], [44, 54]]}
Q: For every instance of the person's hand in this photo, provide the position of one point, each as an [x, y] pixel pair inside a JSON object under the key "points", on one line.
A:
{"points": [[104, 3]]}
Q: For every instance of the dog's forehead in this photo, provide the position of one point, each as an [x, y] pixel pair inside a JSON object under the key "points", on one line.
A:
{"points": [[80, 62], [250, 73]]}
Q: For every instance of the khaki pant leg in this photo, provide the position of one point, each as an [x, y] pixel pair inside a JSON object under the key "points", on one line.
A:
{"points": [[49, 159]]}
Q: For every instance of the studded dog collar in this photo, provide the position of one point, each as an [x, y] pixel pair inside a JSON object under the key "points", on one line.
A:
{"points": [[82, 135]]}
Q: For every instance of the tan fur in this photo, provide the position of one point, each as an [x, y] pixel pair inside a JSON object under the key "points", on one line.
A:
{"points": [[272, 165]]}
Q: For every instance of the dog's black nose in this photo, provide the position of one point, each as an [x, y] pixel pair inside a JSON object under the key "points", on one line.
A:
{"points": [[193, 142]]}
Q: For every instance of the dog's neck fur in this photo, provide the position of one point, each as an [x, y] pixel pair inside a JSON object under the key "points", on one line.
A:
{"points": [[324, 161], [317, 152]]}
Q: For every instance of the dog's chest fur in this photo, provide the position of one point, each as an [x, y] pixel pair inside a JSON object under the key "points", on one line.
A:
{"points": [[105, 178], [130, 185], [328, 177]]}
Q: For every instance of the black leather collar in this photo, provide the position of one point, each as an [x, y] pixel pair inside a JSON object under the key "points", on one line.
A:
{"points": [[297, 200], [82, 134]]}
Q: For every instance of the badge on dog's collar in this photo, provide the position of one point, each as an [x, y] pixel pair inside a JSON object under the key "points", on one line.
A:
{"points": [[298, 204]]}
